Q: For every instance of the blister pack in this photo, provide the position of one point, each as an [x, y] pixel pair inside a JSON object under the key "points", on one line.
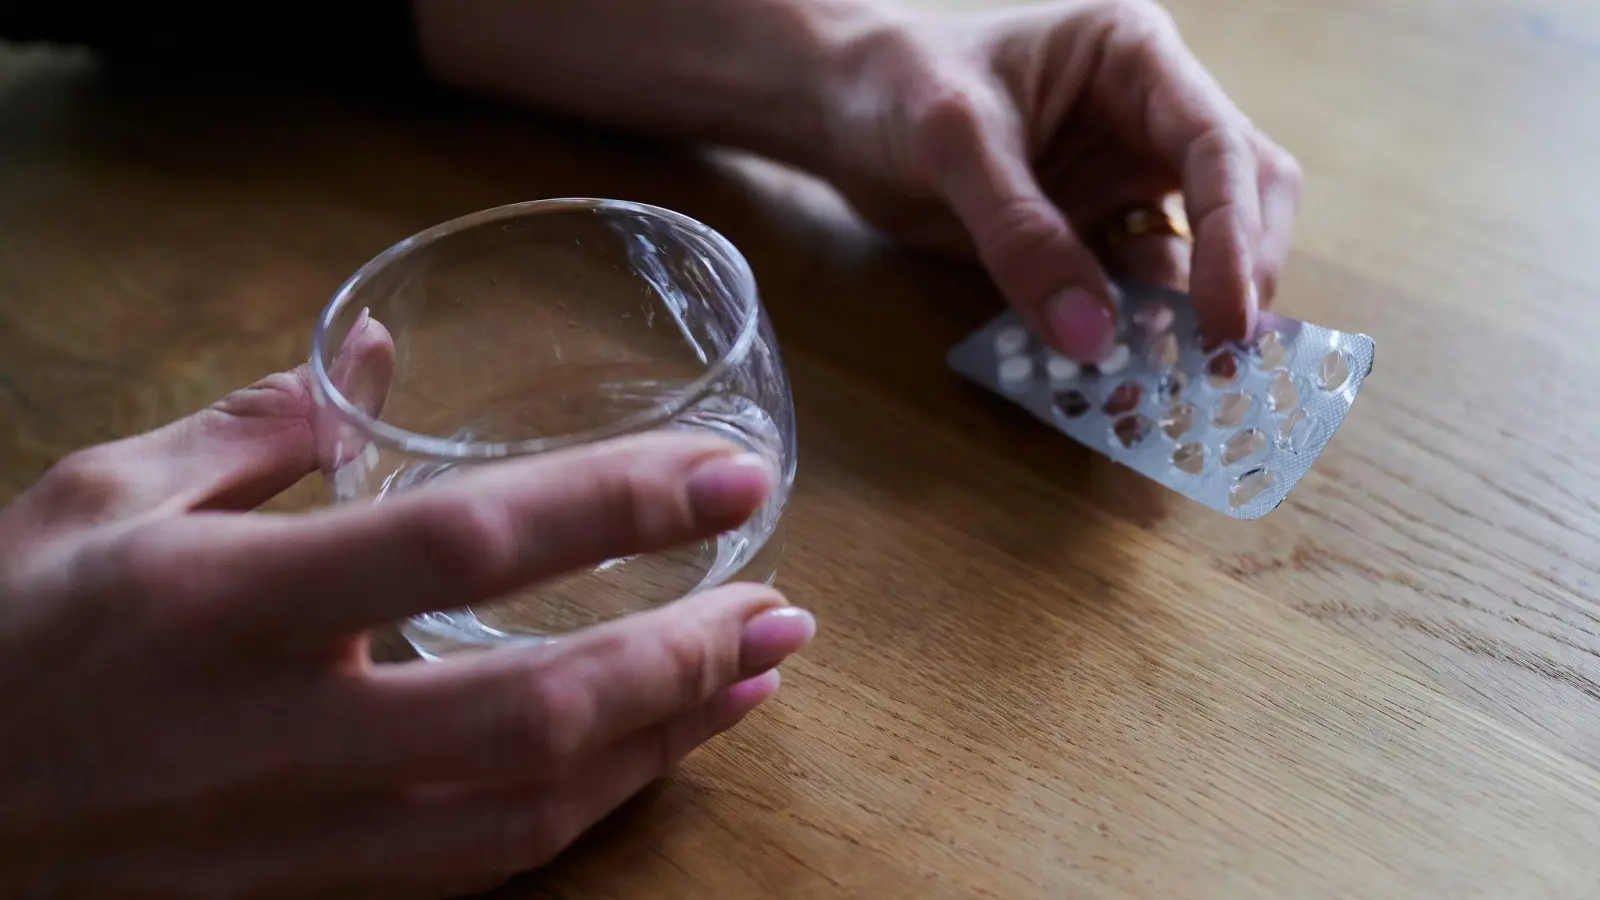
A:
{"points": [[1235, 428]]}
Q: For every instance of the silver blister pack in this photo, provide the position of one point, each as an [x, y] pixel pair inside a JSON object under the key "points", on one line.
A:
{"points": [[1235, 428]]}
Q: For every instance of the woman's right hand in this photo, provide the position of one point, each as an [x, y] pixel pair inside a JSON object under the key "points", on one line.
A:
{"points": [[188, 705], [1023, 136]]}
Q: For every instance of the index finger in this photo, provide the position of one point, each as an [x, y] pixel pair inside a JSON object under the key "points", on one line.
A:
{"points": [[340, 571], [1196, 129]]}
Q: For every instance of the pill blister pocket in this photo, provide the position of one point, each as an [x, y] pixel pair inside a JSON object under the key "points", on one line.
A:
{"points": [[1234, 428]]}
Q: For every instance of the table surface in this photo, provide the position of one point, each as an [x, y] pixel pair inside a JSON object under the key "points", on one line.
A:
{"points": [[1038, 675]]}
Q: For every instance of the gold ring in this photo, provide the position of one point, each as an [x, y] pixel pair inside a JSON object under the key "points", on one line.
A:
{"points": [[1142, 219]]}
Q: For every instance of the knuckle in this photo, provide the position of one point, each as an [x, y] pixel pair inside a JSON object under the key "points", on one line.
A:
{"points": [[1210, 157], [1215, 145], [281, 395], [1282, 166], [696, 657], [1148, 20], [84, 483], [949, 112], [657, 505], [140, 561], [555, 720], [468, 542], [140, 579], [1018, 229], [147, 563], [639, 505], [1145, 40], [948, 123]]}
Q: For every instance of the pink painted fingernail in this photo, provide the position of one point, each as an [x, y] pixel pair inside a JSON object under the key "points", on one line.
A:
{"points": [[729, 488], [752, 692], [739, 700], [364, 368], [1082, 325], [774, 635]]}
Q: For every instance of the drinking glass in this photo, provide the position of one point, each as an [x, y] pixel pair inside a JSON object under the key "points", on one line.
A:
{"points": [[544, 325]]}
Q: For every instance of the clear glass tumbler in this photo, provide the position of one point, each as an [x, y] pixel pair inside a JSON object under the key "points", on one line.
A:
{"points": [[539, 326]]}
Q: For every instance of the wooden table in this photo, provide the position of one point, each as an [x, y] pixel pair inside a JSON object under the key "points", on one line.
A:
{"points": [[1038, 676]]}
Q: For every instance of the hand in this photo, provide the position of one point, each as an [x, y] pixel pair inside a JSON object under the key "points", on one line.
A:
{"points": [[1018, 134], [187, 703]]}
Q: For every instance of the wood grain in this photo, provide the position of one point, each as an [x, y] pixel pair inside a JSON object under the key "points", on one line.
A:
{"points": [[1038, 676]]}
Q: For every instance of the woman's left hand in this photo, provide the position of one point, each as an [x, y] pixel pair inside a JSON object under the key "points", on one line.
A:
{"points": [[1026, 136]]}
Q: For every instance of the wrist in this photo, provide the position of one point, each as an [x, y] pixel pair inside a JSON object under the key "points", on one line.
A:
{"points": [[803, 120], [761, 75], [870, 85]]}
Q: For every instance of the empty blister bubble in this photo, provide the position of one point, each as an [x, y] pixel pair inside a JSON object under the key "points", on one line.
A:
{"points": [[1295, 419], [1281, 391], [1243, 445], [1231, 409], [1179, 420], [1247, 487], [1264, 412], [1299, 432], [1271, 352], [1190, 459], [1334, 371]]}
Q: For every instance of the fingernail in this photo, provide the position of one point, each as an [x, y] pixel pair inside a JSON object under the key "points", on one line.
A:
{"points": [[1082, 325], [357, 328], [363, 371], [773, 636], [739, 700], [729, 487], [752, 692]]}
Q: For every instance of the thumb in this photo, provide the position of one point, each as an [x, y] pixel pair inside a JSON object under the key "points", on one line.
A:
{"points": [[257, 442], [236, 454], [1047, 274]]}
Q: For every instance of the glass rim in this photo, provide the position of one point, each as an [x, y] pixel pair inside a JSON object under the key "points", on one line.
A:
{"points": [[442, 448]]}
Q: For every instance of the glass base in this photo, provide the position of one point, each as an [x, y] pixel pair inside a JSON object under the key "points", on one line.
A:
{"points": [[546, 612]]}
